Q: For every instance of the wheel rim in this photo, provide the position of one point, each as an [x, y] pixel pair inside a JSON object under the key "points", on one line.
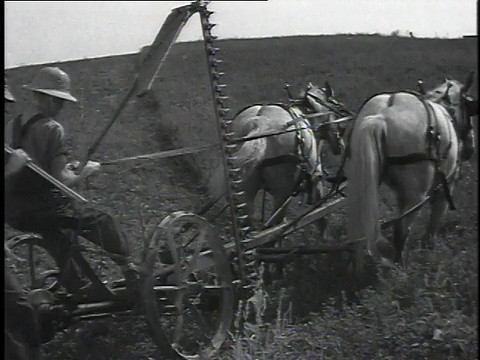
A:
{"points": [[192, 285], [31, 263]]}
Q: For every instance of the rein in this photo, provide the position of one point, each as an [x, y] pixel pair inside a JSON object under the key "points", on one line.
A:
{"points": [[162, 154], [280, 132]]}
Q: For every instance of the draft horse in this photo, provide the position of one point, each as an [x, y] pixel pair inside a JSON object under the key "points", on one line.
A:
{"points": [[414, 143], [279, 163]]}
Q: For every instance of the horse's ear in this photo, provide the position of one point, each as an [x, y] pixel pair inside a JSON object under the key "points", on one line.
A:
{"points": [[328, 89], [468, 82]]}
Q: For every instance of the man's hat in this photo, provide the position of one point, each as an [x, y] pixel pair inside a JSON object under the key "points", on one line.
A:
{"points": [[8, 94], [54, 82]]}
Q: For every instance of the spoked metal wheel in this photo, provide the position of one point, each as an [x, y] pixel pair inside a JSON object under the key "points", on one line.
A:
{"points": [[188, 296], [31, 263]]}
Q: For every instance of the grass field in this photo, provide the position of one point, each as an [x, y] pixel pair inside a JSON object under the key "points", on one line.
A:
{"points": [[427, 312]]}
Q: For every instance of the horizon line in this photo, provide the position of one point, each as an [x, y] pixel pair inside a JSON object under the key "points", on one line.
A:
{"points": [[248, 38]]}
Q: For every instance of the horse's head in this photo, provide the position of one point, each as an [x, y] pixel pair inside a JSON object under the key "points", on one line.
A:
{"points": [[321, 101], [453, 95]]}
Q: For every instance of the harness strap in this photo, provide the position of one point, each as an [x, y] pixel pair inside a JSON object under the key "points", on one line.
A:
{"points": [[295, 120], [302, 173], [432, 139], [282, 159], [432, 133], [305, 181]]}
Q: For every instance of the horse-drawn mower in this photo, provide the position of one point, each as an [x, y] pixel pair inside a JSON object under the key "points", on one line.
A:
{"points": [[190, 279], [188, 294]]}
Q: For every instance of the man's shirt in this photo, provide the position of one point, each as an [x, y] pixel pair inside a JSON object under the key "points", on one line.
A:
{"points": [[43, 141]]}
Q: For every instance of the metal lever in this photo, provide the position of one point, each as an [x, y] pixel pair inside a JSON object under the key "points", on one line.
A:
{"points": [[287, 89], [59, 185], [421, 89]]}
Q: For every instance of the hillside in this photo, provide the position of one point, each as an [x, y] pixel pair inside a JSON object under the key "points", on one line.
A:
{"points": [[178, 113]]}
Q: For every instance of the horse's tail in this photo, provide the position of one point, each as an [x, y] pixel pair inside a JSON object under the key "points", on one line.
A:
{"points": [[363, 172], [251, 152]]}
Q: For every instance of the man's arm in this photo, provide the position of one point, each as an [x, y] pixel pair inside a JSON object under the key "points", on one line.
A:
{"points": [[59, 168]]}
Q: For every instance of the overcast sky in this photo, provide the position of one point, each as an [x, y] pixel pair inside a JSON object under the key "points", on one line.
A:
{"points": [[41, 31]]}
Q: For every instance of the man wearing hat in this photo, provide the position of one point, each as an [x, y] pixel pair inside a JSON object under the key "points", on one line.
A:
{"points": [[42, 209]]}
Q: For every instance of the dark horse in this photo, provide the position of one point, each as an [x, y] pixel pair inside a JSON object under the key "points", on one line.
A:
{"points": [[274, 163], [414, 144]]}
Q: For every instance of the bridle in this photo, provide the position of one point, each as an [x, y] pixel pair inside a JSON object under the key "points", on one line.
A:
{"points": [[331, 103], [333, 107], [462, 121]]}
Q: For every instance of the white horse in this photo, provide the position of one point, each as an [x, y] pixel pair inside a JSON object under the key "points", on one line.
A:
{"points": [[414, 144], [272, 162]]}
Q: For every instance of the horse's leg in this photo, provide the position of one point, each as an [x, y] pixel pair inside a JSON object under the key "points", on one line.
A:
{"points": [[410, 183], [318, 190], [251, 185], [280, 181], [439, 206], [279, 197], [401, 235], [322, 223]]}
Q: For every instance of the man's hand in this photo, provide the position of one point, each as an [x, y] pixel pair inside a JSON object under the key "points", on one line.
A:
{"points": [[17, 160], [73, 165], [90, 168]]}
